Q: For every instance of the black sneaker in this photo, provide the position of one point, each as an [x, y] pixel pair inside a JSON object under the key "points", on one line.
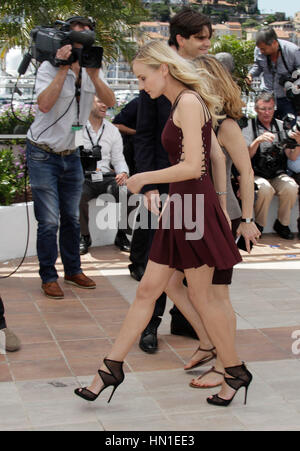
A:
{"points": [[85, 243], [283, 231]]}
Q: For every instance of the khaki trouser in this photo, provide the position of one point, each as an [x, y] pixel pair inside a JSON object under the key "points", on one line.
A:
{"points": [[287, 191]]}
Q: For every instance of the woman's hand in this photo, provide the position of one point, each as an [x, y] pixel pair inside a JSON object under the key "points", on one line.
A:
{"points": [[135, 183], [250, 233]]}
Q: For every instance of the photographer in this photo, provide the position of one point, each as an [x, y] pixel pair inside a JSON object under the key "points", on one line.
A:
{"points": [[102, 150], [276, 60], [64, 96], [12, 342], [269, 160]]}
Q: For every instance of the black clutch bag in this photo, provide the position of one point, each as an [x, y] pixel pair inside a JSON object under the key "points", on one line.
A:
{"points": [[241, 243]]}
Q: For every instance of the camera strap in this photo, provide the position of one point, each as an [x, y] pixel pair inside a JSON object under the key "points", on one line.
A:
{"points": [[272, 69], [77, 97], [255, 122], [90, 138]]}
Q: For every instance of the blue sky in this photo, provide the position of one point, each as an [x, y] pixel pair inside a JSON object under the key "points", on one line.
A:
{"points": [[287, 6]]}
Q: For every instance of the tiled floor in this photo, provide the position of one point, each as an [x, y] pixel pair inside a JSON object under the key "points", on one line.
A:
{"points": [[63, 342]]}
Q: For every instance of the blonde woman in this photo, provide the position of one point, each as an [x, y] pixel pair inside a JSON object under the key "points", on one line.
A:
{"points": [[187, 137], [235, 149]]}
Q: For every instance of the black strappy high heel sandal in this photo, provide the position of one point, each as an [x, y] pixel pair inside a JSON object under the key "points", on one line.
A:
{"points": [[114, 378], [204, 360], [241, 377]]}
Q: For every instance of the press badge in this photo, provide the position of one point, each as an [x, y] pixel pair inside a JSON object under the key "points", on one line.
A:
{"points": [[97, 176]]}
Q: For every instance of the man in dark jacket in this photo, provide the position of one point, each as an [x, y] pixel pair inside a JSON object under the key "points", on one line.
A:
{"points": [[190, 34]]}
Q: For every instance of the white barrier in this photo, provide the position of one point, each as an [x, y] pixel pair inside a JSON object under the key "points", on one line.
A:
{"points": [[13, 227]]}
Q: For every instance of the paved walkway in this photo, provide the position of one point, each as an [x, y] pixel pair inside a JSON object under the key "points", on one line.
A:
{"points": [[63, 342]]}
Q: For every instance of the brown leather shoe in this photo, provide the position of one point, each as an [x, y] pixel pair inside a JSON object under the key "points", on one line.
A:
{"points": [[52, 290], [81, 281]]}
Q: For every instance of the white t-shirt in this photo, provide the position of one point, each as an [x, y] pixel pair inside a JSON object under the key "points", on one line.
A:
{"points": [[55, 127], [111, 146]]}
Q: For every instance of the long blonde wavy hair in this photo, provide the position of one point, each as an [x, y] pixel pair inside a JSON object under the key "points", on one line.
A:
{"points": [[155, 53], [222, 84]]}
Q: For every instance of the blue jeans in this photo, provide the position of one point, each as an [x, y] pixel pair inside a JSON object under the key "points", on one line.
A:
{"points": [[56, 184]]}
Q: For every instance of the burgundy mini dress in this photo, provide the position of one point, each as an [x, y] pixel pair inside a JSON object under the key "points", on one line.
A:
{"points": [[192, 229]]}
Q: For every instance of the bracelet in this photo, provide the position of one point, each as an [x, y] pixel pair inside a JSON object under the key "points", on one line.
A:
{"points": [[219, 193]]}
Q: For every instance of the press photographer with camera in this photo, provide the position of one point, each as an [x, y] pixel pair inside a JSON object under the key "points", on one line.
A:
{"points": [[65, 92], [105, 170], [278, 62], [269, 144]]}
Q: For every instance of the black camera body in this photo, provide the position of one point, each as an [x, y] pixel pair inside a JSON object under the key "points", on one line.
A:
{"points": [[271, 163], [287, 141], [45, 41], [89, 158], [291, 84]]}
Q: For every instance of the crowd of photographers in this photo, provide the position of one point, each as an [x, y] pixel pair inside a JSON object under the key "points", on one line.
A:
{"points": [[70, 123]]}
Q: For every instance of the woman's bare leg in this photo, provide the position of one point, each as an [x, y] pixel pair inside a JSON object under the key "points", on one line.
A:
{"points": [[219, 293], [216, 318], [178, 293], [153, 283]]}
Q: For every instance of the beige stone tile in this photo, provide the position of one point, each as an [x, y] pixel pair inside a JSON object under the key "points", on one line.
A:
{"points": [[13, 416], [59, 412], [43, 391], [153, 423], [210, 421]]}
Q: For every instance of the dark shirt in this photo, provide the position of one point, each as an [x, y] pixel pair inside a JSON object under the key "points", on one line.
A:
{"points": [[128, 114], [152, 116], [128, 117]]}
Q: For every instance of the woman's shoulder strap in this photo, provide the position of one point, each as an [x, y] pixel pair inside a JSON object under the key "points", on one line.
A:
{"points": [[190, 91]]}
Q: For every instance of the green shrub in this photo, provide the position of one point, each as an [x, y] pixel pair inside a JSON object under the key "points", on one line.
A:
{"points": [[24, 116], [12, 175]]}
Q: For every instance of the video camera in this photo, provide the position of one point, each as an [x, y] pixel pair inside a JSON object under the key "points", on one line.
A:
{"points": [[45, 41], [291, 84]]}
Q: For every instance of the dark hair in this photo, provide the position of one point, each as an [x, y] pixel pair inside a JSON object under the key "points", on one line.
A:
{"points": [[265, 97], [186, 23], [266, 35]]}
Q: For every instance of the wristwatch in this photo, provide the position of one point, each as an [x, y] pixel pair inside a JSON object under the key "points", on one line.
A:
{"points": [[247, 220]]}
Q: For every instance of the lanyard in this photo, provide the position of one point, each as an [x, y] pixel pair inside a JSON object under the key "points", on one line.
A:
{"points": [[98, 140], [77, 96]]}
